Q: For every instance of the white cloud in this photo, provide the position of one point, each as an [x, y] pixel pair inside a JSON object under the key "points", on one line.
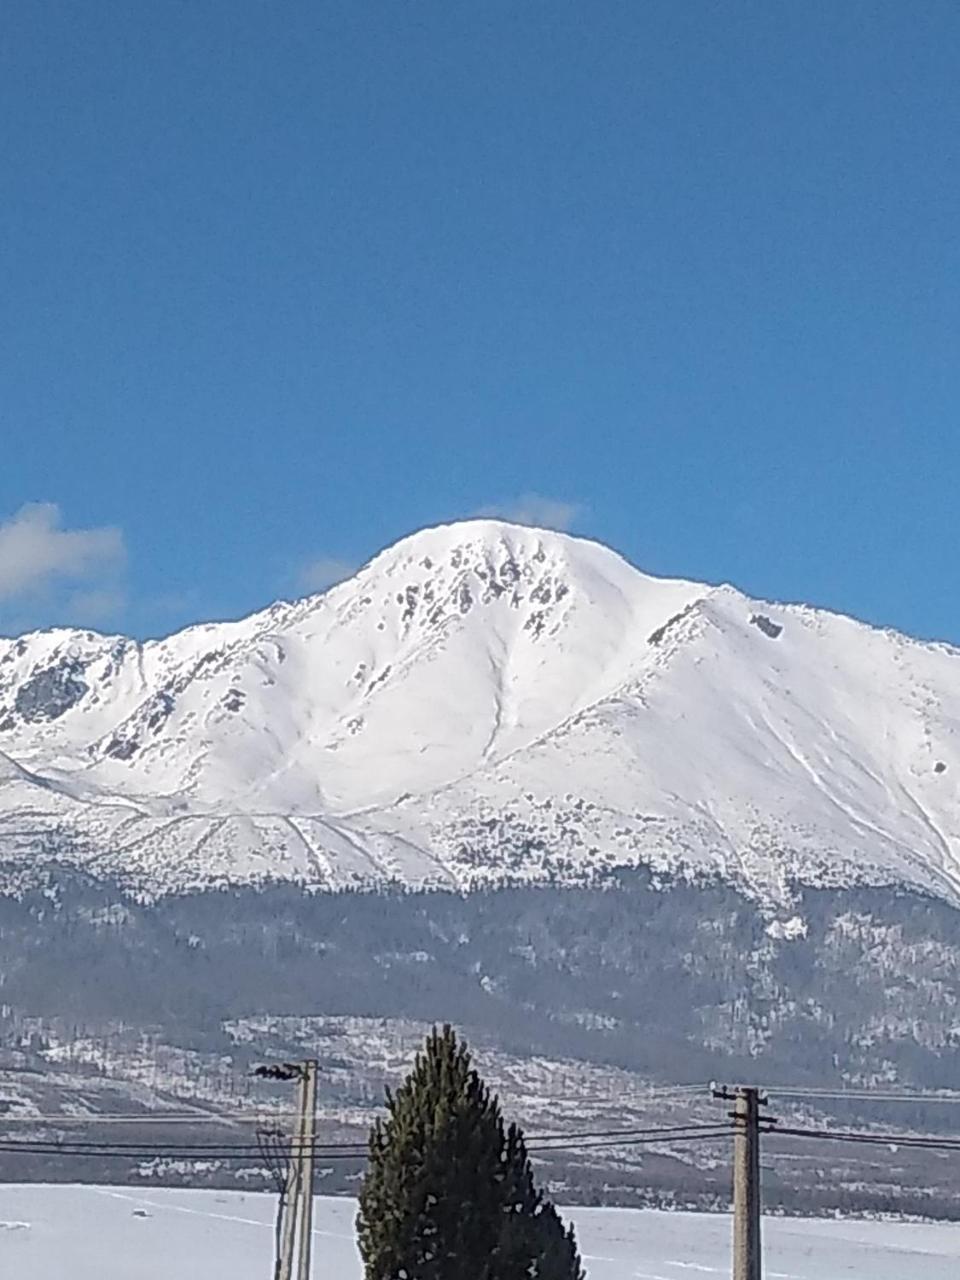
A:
{"points": [[325, 571], [36, 553], [535, 509]]}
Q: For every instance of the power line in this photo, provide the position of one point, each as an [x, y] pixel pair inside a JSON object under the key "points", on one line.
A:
{"points": [[235, 1153], [154, 1153], [193, 1149], [198, 1118], [594, 1140], [632, 1131], [542, 1142], [637, 1142], [918, 1141], [863, 1095]]}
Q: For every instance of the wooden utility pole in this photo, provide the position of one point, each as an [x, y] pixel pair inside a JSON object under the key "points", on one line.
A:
{"points": [[295, 1235], [291, 1206], [747, 1253], [308, 1113], [746, 1185], [288, 1231]]}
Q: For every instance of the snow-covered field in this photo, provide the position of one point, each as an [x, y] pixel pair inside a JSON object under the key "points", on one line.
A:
{"points": [[103, 1233]]}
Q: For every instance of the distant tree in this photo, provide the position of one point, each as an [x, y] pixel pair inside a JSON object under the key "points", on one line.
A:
{"points": [[449, 1194]]}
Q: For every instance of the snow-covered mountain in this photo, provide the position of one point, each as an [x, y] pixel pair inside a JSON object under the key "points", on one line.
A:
{"points": [[486, 701]]}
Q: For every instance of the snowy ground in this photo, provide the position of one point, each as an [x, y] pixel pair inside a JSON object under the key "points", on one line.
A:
{"points": [[100, 1233]]}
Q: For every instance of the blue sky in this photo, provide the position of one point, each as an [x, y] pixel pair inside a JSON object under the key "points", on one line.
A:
{"points": [[280, 283]]}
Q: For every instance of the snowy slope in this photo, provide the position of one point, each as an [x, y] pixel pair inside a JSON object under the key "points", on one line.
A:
{"points": [[484, 700], [151, 1233]]}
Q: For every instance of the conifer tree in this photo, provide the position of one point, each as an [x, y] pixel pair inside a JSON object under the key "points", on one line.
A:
{"points": [[533, 1239], [449, 1193], [430, 1203]]}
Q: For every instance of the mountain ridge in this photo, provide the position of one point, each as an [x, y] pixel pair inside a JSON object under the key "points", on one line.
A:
{"points": [[484, 701]]}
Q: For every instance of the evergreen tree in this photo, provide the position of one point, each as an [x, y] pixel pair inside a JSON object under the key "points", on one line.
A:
{"points": [[430, 1203], [449, 1194], [533, 1240]]}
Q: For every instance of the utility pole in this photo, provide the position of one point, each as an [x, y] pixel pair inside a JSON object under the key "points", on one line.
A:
{"points": [[746, 1185], [747, 1254], [295, 1234], [308, 1113], [291, 1207], [288, 1230]]}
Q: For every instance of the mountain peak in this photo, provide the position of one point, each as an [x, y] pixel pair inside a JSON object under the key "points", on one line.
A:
{"points": [[483, 700], [482, 546]]}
